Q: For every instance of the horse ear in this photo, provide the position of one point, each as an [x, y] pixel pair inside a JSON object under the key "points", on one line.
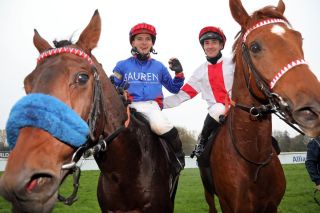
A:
{"points": [[281, 7], [40, 43], [91, 34], [238, 12]]}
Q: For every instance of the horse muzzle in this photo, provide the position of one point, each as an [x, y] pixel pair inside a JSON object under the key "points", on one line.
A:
{"points": [[308, 119], [30, 192]]}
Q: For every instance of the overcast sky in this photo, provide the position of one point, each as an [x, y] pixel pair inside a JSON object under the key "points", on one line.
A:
{"points": [[177, 22]]}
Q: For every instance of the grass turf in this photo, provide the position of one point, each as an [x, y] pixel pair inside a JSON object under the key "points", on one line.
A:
{"points": [[190, 197]]}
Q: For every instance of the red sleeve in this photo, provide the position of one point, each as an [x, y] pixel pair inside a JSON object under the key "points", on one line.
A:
{"points": [[187, 88]]}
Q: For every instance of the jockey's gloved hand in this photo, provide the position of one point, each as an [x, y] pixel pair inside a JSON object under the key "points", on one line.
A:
{"points": [[122, 91], [112, 79], [175, 65], [125, 85]]}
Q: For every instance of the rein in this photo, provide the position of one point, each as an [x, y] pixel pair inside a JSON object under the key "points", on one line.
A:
{"points": [[260, 164], [85, 150]]}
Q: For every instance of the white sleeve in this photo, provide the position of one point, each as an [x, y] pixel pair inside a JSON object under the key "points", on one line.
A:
{"points": [[188, 91], [175, 100]]}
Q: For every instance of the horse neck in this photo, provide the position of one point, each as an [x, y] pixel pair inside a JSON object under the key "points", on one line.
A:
{"points": [[112, 109], [137, 148], [256, 131], [137, 134]]}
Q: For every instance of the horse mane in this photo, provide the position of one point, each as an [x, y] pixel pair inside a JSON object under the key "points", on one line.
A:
{"points": [[264, 13]]}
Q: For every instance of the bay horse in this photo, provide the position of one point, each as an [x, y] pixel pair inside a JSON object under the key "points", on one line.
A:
{"points": [[271, 76], [135, 173]]}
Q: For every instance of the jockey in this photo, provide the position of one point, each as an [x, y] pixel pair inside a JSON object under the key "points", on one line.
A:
{"points": [[146, 76], [213, 78]]}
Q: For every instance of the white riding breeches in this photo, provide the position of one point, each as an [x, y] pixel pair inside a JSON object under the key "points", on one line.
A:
{"points": [[216, 110], [151, 111]]}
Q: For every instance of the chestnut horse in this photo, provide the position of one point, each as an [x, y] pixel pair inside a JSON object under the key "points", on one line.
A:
{"points": [[271, 75], [135, 172]]}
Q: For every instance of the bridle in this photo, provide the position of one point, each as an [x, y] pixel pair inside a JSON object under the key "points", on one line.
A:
{"points": [[86, 150], [275, 103]]}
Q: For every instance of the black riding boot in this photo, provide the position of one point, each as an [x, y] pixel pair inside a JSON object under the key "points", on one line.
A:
{"points": [[210, 125], [173, 140]]}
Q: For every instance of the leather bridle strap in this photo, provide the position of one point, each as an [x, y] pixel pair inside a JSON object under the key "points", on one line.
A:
{"points": [[257, 76]]}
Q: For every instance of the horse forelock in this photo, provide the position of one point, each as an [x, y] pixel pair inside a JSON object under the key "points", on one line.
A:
{"points": [[264, 13], [62, 43]]}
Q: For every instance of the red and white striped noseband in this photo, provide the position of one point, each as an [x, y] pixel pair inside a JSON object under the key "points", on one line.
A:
{"points": [[284, 70], [289, 65], [70, 50]]}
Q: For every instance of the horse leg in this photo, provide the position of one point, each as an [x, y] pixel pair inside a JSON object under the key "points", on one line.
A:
{"points": [[210, 202], [206, 178]]}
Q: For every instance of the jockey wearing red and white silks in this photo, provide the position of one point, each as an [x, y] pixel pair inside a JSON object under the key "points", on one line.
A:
{"points": [[213, 81]]}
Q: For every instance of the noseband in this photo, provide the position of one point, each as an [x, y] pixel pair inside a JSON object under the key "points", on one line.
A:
{"points": [[276, 103]]}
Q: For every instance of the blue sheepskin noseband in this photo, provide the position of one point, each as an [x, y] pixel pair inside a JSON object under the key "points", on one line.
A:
{"points": [[50, 114]]}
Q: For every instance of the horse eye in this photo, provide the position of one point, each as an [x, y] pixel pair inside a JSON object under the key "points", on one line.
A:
{"points": [[82, 78], [255, 48]]}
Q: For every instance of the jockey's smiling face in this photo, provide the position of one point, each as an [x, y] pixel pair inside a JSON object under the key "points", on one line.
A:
{"points": [[143, 43], [212, 47]]}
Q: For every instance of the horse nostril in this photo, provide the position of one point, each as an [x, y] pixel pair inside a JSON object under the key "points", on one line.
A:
{"points": [[306, 117], [37, 181], [308, 114]]}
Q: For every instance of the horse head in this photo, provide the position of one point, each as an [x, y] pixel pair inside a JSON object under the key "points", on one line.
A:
{"points": [[275, 70], [64, 94]]}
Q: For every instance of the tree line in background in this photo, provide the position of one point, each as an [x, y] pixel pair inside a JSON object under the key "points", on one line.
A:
{"points": [[189, 139], [286, 143]]}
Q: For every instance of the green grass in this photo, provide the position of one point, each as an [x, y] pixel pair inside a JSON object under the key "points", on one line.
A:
{"points": [[190, 199]]}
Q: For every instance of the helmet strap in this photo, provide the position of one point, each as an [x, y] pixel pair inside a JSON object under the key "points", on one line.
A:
{"points": [[153, 51], [140, 56]]}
